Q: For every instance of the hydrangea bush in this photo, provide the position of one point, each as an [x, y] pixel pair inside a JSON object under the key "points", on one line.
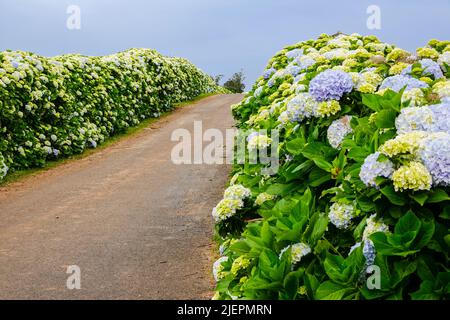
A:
{"points": [[56, 107], [364, 178]]}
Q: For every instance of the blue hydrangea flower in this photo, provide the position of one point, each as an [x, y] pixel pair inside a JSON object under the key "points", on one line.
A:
{"points": [[305, 62], [435, 155], [372, 168], [293, 70], [294, 53], [330, 85], [369, 252], [429, 67], [268, 73], [396, 83], [441, 116]]}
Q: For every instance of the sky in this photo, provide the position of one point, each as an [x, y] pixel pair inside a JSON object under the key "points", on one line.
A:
{"points": [[219, 36]]}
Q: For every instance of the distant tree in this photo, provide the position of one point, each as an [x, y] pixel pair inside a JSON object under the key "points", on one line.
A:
{"points": [[236, 82], [217, 78]]}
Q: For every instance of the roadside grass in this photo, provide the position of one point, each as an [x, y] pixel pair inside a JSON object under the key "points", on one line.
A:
{"points": [[20, 174]]}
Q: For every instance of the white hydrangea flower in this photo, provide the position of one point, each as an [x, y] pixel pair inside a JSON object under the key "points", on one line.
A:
{"points": [[298, 251], [263, 197], [257, 140], [414, 119], [3, 167], [444, 58], [258, 92], [237, 192], [226, 208], [415, 96], [341, 215], [218, 268], [373, 225], [338, 130]]}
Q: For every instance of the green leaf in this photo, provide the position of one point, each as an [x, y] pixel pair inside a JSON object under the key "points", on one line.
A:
{"points": [[420, 197], [295, 146], [371, 101], [329, 290], [323, 164], [438, 195], [394, 197], [386, 118], [409, 222]]}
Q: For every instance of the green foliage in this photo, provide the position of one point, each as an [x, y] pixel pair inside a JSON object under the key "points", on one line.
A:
{"points": [[406, 234]]}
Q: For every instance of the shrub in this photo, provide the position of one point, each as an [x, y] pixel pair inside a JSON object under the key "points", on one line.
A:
{"points": [[57, 107], [363, 182]]}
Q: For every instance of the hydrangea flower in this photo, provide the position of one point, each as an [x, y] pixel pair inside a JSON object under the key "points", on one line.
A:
{"points": [[338, 130], [263, 197], [441, 116], [372, 168], [429, 67], [268, 73], [442, 89], [396, 83], [240, 263], [369, 252], [435, 155], [218, 268], [406, 143], [414, 96], [237, 192], [300, 107], [330, 85], [367, 81], [341, 215], [258, 92], [412, 176], [257, 140], [226, 208], [304, 62], [328, 108], [444, 59], [298, 251], [339, 53], [3, 167], [414, 119], [294, 53], [373, 225]]}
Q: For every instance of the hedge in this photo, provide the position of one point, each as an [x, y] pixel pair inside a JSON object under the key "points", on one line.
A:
{"points": [[56, 107], [359, 207]]}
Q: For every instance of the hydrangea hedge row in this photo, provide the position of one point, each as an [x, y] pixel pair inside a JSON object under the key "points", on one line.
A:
{"points": [[57, 107], [363, 184]]}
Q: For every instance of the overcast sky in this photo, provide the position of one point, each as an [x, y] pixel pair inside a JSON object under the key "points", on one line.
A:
{"points": [[219, 36]]}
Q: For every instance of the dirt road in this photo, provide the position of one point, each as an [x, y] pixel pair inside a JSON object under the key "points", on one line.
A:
{"points": [[137, 225]]}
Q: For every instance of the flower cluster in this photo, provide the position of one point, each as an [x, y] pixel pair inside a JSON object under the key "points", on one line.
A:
{"points": [[341, 214], [257, 140], [413, 176], [330, 85], [218, 268], [232, 201], [263, 197], [373, 168], [338, 130], [298, 251], [398, 82]]}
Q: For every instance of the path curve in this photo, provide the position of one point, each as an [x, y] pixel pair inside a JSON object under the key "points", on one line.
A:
{"points": [[137, 225]]}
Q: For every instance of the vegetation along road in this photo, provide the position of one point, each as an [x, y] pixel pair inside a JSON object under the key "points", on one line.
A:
{"points": [[137, 225]]}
